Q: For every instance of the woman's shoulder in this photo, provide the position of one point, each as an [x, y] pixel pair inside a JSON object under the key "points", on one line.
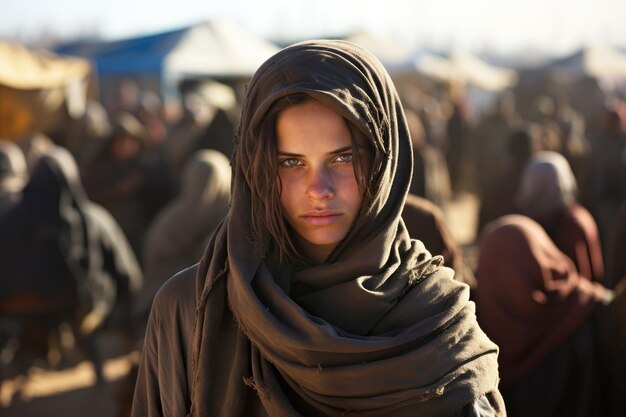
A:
{"points": [[178, 292]]}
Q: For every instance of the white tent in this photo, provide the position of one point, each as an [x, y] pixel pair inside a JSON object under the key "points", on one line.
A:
{"points": [[215, 49], [393, 55], [38, 90], [599, 61], [218, 48], [464, 68], [481, 74]]}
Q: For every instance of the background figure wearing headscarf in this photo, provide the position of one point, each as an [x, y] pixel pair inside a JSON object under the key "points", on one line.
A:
{"points": [[62, 258], [311, 298], [538, 309], [204, 125], [548, 194], [13, 174], [177, 237]]}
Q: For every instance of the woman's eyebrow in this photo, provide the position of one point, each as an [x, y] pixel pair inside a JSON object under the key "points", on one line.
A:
{"points": [[282, 153], [336, 151]]}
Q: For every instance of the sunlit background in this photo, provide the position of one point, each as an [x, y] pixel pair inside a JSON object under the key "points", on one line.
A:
{"points": [[484, 83], [505, 27]]}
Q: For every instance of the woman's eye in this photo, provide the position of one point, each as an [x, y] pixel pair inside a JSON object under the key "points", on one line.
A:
{"points": [[344, 158], [291, 163]]}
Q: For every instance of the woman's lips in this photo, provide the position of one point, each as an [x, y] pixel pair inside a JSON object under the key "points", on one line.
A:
{"points": [[321, 218]]}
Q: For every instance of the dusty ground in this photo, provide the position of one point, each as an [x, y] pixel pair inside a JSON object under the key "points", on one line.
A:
{"points": [[73, 392]]}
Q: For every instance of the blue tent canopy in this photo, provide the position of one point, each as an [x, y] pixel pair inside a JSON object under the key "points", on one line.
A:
{"points": [[214, 49], [139, 55]]}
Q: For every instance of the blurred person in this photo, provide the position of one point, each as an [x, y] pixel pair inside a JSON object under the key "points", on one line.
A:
{"points": [[425, 222], [458, 128], [532, 302], [150, 114], [217, 135], [63, 259], [433, 120], [196, 116], [490, 151], [550, 136], [311, 299], [431, 179], [609, 171], [575, 145], [96, 126], [177, 236], [126, 98], [616, 265], [13, 174], [210, 107], [520, 146], [126, 179], [34, 146], [548, 194]]}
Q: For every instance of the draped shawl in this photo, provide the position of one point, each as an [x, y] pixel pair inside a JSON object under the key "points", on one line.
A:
{"points": [[383, 329], [530, 297], [548, 195]]}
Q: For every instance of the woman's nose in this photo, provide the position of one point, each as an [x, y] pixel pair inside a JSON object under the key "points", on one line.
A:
{"points": [[321, 185]]}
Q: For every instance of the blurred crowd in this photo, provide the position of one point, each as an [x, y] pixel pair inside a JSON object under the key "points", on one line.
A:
{"points": [[94, 221]]}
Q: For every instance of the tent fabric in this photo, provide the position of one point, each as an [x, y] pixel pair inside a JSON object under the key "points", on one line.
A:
{"points": [[38, 89], [598, 61], [482, 74], [392, 55], [26, 69], [463, 67], [138, 55], [217, 48]]}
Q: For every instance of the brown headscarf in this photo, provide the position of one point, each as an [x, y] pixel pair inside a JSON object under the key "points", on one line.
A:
{"points": [[383, 329], [530, 298]]}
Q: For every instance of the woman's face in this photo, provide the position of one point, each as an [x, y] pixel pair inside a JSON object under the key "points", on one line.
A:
{"points": [[320, 196]]}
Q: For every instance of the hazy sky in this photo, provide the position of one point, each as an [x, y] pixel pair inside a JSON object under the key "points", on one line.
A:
{"points": [[556, 26]]}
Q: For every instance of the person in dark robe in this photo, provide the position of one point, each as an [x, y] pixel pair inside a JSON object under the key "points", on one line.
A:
{"points": [[311, 299], [539, 310], [548, 194], [13, 174], [64, 259], [127, 179]]}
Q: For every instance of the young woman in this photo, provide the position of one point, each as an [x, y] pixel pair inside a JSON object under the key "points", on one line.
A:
{"points": [[311, 299]]}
